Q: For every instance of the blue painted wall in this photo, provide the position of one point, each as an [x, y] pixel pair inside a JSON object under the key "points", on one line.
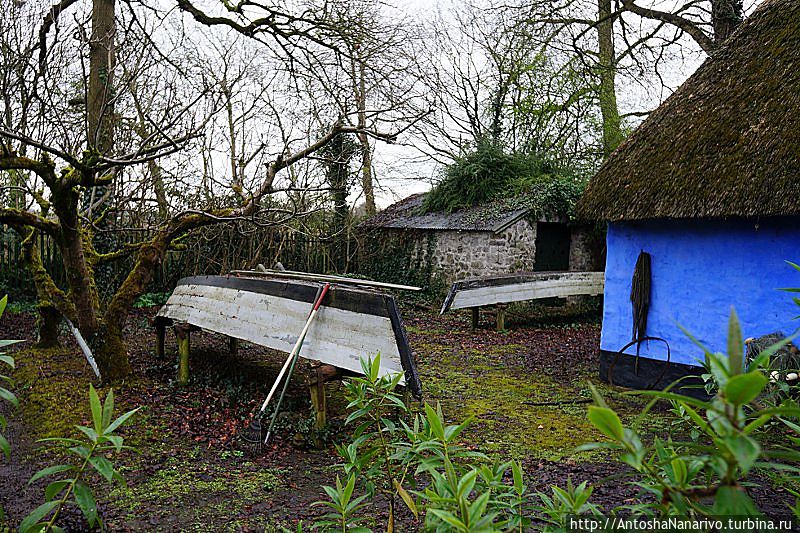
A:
{"points": [[700, 269]]}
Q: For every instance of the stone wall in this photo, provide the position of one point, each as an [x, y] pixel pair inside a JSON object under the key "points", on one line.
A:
{"points": [[467, 254], [457, 255], [581, 256]]}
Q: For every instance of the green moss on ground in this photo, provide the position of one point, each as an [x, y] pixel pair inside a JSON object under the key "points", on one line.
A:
{"points": [[53, 391], [193, 492], [479, 384]]}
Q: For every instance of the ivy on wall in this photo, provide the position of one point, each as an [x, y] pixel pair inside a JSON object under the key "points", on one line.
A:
{"points": [[404, 257]]}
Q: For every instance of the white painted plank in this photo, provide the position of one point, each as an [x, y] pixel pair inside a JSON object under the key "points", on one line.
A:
{"points": [[565, 284], [337, 337]]}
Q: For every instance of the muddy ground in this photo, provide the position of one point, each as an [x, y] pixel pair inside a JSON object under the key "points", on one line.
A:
{"points": [[191, 471]]}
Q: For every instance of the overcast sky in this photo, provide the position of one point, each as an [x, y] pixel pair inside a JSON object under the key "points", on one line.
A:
{"points": [[400, 169]]}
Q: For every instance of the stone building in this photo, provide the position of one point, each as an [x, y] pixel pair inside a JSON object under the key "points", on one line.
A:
{"points": [[488, 239]]}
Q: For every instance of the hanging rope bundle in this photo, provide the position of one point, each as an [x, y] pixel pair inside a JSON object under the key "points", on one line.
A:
{"points": [[640, 301], [640, 295]]}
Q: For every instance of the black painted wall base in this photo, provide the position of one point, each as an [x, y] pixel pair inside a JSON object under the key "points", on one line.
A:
{"points": [[651, 374]]}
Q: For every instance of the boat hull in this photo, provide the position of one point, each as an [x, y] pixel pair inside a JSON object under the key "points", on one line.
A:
{"points": [[351, 323]]}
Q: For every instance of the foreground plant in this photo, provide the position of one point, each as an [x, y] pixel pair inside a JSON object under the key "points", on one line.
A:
{"points": [[5, 394], [706, 476], [389, 454], [91, 454]]}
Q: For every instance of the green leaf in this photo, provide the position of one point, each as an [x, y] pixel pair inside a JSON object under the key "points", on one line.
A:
{"points": [[735, 345], [8, 396], [49, 471], [55, 488], [449, 518], [89, 432], [7, 359], [679, 470], [5, 447], [466, 483], [766, 353], [108, 408], [516, 469], [607, 422], [3, 303], [116, 440], [120, 420], [478, 507], [104, 466], [85, 500], [598, 398], [4, 343], [744, 449], [744, 388], [30, 522], [376, 367], [434, 421], [97, 410], [734, 501]]}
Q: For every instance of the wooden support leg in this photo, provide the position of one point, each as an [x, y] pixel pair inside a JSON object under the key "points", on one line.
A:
{"points": [[476, 316], [320, 375], [319, 404], [161, 333], [182, 333], [501, 317], [233, 345]]}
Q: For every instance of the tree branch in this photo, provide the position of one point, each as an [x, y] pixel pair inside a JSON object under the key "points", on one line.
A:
{"points": [[701, 38], [17, 219]]}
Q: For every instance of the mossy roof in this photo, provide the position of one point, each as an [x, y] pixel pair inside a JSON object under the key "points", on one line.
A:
{"points": [[493, 216], [726, 143]]}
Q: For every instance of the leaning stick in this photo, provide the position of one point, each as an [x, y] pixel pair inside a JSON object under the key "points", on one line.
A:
{"points": [[84, 347], [296, 347]]}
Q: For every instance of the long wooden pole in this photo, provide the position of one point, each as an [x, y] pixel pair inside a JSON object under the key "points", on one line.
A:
{"points": [[290, 274], [296, 347], [83, 346]]}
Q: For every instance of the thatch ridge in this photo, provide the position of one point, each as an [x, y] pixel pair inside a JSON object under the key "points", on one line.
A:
{"points": [[726, 143]]}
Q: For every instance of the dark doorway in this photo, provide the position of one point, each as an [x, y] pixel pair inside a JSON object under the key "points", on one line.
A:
{"points": [[552, 246]]}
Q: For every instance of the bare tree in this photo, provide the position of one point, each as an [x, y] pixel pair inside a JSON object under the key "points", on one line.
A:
{"points": [[498, 79], [639, 41], [112, 113]]}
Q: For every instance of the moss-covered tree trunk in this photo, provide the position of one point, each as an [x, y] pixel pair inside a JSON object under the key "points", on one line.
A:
{"points": [[612, 130], [72, 241], [109, 344], [49, 317], [367, 180]]}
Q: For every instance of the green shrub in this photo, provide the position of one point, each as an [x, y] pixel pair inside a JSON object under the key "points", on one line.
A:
{"points": [[464, 492], [706, 476], [91, 453], [394, 457], [489, 173], [150, 299], [5, 394]]}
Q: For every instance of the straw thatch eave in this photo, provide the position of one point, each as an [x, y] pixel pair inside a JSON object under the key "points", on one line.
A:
{"points": [[725, 144]]}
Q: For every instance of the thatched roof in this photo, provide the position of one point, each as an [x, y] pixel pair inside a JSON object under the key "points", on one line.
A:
{"points": [[492, 216], [726, 143]]}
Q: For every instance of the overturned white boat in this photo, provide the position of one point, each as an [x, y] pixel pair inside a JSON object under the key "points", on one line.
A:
{"points": [[270, 309], [521, 286]]}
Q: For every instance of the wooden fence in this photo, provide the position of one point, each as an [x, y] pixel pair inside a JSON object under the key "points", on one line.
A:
{"points": [[215, 250]]}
